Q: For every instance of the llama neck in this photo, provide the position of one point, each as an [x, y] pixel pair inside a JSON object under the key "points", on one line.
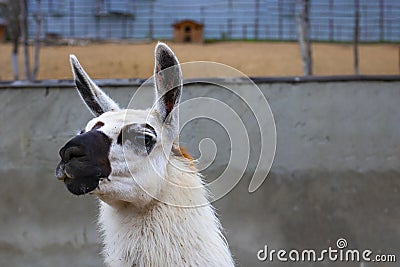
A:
{"points": [[165, 234]]}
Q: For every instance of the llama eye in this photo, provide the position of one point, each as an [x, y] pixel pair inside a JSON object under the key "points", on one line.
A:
{"points": [[149, 142], [141, 136], [145, 140]]}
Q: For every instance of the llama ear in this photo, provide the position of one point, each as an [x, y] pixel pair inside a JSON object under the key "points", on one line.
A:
{"points": [[168, 81], [95, 99]]}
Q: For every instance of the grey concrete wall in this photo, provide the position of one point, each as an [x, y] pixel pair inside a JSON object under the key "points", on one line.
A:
{"points": [[335, 174]]}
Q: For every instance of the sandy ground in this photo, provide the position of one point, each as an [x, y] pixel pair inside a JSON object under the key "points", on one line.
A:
{"points": [[254, 59]]}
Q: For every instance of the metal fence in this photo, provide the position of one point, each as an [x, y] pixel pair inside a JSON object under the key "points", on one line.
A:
{"points": [[331, 20]]}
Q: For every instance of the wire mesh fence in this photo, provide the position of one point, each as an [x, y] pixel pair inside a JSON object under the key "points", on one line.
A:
{"points": [[331, 20]]}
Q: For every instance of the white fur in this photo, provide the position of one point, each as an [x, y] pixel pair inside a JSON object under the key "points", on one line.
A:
{"points": [[162, 234], [149, 205]]}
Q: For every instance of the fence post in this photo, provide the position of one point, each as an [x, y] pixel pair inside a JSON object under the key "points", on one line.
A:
{"points": [[331, 37], [24, 36], [37, 39], [356, 35], [304, 38], [280, 12], [71, 18], [151, 21], [256, 21], [381, 21], [389, 24], [230, 19]]}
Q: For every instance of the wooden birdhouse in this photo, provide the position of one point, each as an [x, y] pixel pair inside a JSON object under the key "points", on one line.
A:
{"points": [[188, 31]]}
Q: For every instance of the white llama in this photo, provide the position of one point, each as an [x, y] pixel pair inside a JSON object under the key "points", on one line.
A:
{"points": [[146, 185]]}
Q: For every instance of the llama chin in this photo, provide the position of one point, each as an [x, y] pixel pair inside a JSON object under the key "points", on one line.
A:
{"points": [[120, 157]]}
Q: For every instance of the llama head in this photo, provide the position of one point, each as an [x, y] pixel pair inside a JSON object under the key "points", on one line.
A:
{"points": [[122, 153]]}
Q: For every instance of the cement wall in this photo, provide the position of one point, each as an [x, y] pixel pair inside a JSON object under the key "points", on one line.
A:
{"points": [[335, 175]]}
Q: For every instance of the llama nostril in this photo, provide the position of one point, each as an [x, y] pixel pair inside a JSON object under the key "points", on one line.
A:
{"points": [[60, 174], [72, 152]]}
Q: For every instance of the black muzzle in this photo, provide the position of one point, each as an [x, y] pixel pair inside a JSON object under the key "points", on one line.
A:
{"points": [[84, 161]]}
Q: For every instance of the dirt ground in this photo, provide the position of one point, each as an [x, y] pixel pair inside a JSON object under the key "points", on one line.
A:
{"points": [[252, 58]]}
